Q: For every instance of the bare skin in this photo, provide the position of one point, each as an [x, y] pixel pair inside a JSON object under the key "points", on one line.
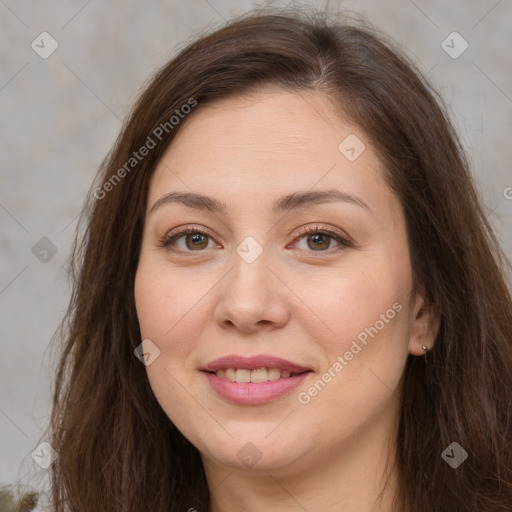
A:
{"points": [[306, 298]]}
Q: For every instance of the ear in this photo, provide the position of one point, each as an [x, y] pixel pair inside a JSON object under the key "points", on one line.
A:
{"points": [[425, 321]]}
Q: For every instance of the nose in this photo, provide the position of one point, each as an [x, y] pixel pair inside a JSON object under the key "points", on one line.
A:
{"points": [[252, 297]]}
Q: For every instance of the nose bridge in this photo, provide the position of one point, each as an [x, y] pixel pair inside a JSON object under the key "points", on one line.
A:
{"points": [[250, 275]]}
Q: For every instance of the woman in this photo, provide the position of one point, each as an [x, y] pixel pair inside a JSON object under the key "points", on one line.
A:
{"points": [[287, 296]]}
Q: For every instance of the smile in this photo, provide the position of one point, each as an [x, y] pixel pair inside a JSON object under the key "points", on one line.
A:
{"points": [[253, 380]]}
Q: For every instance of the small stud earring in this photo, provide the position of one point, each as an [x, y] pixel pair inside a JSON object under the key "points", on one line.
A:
{"points": [[425, 348]]}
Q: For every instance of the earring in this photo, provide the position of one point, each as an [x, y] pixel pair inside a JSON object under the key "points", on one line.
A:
{"points": [[425, 348]]}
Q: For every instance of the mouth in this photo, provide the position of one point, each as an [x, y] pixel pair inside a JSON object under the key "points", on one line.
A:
{"points": [[253, 380]]}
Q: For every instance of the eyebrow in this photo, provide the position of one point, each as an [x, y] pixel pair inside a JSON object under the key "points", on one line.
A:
{"points": [[280, 206]]}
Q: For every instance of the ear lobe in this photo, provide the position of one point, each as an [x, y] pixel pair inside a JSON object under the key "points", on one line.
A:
{"points": [[424, 325]]}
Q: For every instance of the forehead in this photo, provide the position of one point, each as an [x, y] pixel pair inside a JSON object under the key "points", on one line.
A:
{"points": [[268, 143], [267, 121]]}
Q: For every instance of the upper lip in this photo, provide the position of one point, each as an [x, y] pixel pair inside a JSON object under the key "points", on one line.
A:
{"points": [[253, 363]]}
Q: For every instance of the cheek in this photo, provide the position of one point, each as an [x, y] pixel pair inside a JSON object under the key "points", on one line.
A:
{"points": [[365, 347], [169, 306], [169, 310], [364, 304]]}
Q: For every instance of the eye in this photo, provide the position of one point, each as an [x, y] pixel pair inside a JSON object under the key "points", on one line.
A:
{"points": [[194, 239], [197, 240], [319, 240]]}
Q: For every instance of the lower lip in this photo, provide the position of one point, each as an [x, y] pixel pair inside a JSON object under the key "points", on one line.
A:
{"points": [[251, 393]]}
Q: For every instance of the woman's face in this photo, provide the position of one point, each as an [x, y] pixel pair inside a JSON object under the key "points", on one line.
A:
{"points": [[295, 276]]}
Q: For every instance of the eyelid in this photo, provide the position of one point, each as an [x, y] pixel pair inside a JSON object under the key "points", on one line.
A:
{"points": [[187, 228]]}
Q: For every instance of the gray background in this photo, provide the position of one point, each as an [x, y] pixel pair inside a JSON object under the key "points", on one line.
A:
{"points": [[60, 116]]}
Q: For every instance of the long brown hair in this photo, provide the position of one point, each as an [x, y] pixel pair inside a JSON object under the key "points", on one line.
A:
{"points": [[117, 449]]}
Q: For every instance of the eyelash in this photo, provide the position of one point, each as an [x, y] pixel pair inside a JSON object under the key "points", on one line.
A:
{"points": [[167, 240]]}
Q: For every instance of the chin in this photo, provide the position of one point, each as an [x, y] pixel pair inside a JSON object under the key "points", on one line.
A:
{"points": [[256, 451]]}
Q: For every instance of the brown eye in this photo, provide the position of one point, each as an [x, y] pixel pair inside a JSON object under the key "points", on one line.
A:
{"points": [[194, 239], [318, 240]]}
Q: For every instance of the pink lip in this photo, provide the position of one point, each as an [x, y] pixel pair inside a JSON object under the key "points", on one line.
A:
{"points": [[250, 393], [253, 363]]}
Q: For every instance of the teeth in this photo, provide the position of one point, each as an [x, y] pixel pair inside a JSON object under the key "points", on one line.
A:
{"points": [[274, 373], [243, 376], [259, 375]]}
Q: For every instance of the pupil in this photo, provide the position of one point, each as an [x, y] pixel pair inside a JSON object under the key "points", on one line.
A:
{"points": [[196, 239], [317, 240]]}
